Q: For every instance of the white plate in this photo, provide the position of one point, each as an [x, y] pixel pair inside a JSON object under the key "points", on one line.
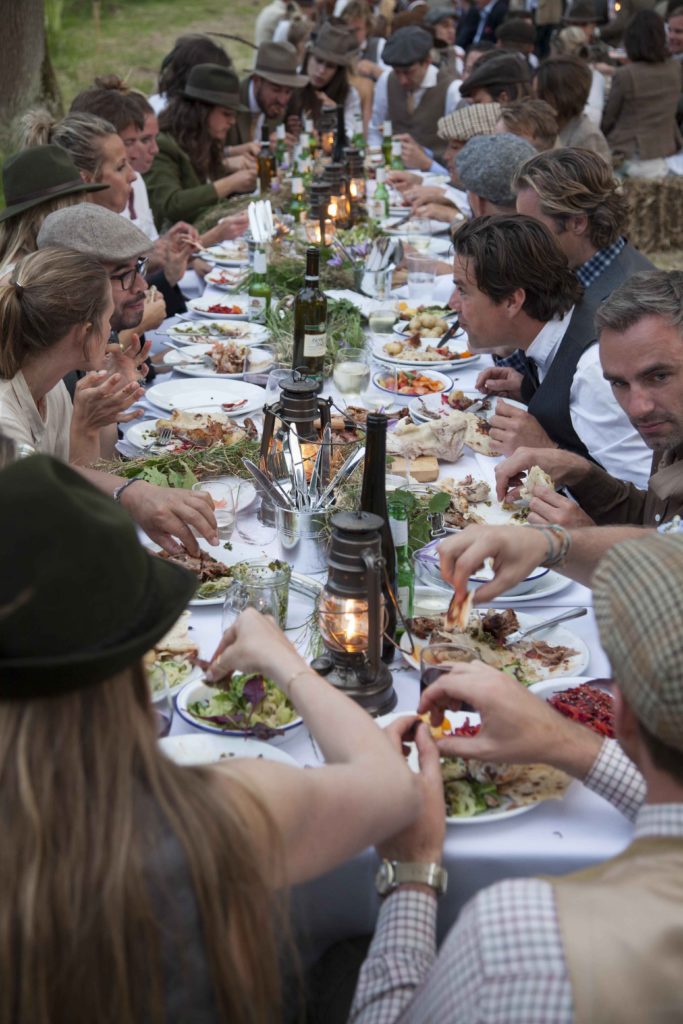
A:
{"points": [[406, 362], [185, 332], [201, 307], [206, 394], [555, 635], [431, 374], [260, 361], [228, 254], [192, 692], [457, 718], [435, 227], [549, 687], [197, 748], [226, 278]]}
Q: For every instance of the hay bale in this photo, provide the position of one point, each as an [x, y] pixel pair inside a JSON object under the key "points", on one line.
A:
{"points": [[656, 213]]}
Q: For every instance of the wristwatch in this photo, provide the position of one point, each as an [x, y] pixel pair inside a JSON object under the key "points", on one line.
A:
{"points": [[392, 873]]}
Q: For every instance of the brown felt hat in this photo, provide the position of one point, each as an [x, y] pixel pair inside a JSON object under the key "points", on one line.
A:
{"points": [[278, 63], [335, 44], [214, 84], [37, 174]]}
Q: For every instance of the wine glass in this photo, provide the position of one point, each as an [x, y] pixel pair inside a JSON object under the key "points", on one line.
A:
{"points": [[276, 378], [261, 526], [352, 372], [437, 660]]}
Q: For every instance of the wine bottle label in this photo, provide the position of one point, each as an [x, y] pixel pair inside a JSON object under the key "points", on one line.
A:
{"points": [[376, 209], [399, 531], [257, 309], [403, 597], [315, 341]]}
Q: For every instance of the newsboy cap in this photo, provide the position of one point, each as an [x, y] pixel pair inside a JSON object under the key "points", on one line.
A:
{"points": [[94, 231], [407, 46], [638, 601], [487, 166], [516, 30], [466, 122], [499, 69]]}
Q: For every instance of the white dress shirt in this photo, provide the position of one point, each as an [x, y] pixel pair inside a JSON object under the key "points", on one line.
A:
{"points": [[143, 213], [596, 416], [380, 103]]}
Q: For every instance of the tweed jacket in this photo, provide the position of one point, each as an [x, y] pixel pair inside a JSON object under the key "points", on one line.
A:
{"points": [[582, 133], [175, 191], [639, 119]]}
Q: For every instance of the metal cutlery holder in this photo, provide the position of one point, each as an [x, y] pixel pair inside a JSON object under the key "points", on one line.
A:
{"points": [[303, 539]]}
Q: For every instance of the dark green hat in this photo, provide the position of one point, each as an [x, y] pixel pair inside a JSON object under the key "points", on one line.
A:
{"points": [[80, 598], [214, 84], [37, 174]]}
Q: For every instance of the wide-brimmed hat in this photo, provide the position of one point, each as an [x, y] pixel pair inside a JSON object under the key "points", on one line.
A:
{"points": [[581, 12], [37, 174], [487, 165], [499, 69], [278, 63], [335, 44], [214, 84], [638, 601], [466, 122], [79, 608], [406, 46], [516, 30], [94, 231]]}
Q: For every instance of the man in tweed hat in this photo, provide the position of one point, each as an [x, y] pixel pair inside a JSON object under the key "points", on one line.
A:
{"points": [[602, 944]]}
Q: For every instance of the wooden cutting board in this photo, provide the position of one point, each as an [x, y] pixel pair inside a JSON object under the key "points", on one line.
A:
{"points": [[424, 469]]}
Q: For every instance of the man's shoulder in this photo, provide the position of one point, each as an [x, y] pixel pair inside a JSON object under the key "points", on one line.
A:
{"points": [[514, 926], [168, 145]]}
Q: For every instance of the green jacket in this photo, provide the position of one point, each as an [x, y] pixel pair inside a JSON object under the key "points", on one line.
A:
{"points": [[175, 191]]}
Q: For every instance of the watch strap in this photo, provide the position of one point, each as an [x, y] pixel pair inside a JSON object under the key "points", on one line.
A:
{"points": [[393, 873]]}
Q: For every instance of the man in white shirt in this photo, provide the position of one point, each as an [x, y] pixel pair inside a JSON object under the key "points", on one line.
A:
{"points": [[413, 96], [514, 288]]}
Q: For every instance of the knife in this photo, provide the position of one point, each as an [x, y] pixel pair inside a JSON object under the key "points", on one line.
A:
{"points": [[267, 486], [343, 473], [298, 464]]}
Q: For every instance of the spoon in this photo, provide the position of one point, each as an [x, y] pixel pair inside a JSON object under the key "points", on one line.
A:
{"points": [[572, 613]]}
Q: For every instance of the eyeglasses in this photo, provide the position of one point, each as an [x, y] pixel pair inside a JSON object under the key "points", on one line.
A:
{"points": [[127, 278]]}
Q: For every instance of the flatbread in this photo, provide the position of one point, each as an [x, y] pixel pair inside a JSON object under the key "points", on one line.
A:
{"points": [[458, 614], [477, 436], [536, 477], [533, 783]]}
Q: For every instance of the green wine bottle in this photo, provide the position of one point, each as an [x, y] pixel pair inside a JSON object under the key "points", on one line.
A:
{"points": [[405, 574], [265, 162], [358, 137], [259, 290], [387, 134], [310, 322], [297, 204], [396, 163], [378, 204]]}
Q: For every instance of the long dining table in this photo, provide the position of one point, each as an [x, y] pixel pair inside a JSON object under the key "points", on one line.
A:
{"points": [[554, 837]]}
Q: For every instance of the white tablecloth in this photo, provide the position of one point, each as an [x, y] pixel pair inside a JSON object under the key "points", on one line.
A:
{"points": [[552, 838]]}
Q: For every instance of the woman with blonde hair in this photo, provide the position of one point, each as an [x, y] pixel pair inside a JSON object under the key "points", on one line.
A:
{"points": [[132, 888], [36, 182], [94, 146], [54, 318]]}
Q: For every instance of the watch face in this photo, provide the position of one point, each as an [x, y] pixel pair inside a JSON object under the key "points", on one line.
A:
{"points": [[384, 879]]}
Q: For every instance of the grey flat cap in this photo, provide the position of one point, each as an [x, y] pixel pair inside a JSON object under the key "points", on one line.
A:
{"points": [[406, 46], [94, 231], [487, 165]]}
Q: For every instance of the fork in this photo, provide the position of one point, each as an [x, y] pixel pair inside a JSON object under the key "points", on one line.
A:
{"points": [[162, 438]]}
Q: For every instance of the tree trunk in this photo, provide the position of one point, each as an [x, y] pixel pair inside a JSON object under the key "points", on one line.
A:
{"points": [[26, 73]]}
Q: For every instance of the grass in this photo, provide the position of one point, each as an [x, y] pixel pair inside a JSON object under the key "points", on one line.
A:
{"points": [[129, 37]]}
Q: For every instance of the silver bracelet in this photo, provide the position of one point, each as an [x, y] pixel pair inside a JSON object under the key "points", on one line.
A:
{"points": [[551, 532], [116, 495]]}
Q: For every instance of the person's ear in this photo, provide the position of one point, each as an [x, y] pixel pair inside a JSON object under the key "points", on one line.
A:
{"points": [[579, 224]]}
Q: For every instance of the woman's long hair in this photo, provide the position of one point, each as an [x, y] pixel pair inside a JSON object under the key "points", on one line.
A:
{"points": [[89, 807], [81, 135], [187, 121], [19, 234], [51, 291], [305, 101]]}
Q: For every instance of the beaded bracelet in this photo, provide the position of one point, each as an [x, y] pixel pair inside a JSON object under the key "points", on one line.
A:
{"points": [[551, 532]]}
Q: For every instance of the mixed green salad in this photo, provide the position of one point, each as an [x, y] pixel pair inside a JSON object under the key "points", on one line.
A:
{"points": [[249, 703], [463, 794], [173, 671]]}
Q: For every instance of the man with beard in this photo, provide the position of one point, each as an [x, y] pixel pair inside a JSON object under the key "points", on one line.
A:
{"points": [[640, 330], [267, 92]]}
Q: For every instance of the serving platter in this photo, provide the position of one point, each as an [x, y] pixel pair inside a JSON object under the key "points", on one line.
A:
{"points": [[204, 307], [227, 254], [201, 748], [190, 362], [439, 378], [198, 331], [198, 690]]}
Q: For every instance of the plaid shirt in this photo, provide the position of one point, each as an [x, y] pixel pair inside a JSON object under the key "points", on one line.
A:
{"points": [[503, 961], [590, 271]]}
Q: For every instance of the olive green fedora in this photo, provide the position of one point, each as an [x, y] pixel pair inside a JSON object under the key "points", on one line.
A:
{"points": [[214, 84], [37, 174], [82, 600]]}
